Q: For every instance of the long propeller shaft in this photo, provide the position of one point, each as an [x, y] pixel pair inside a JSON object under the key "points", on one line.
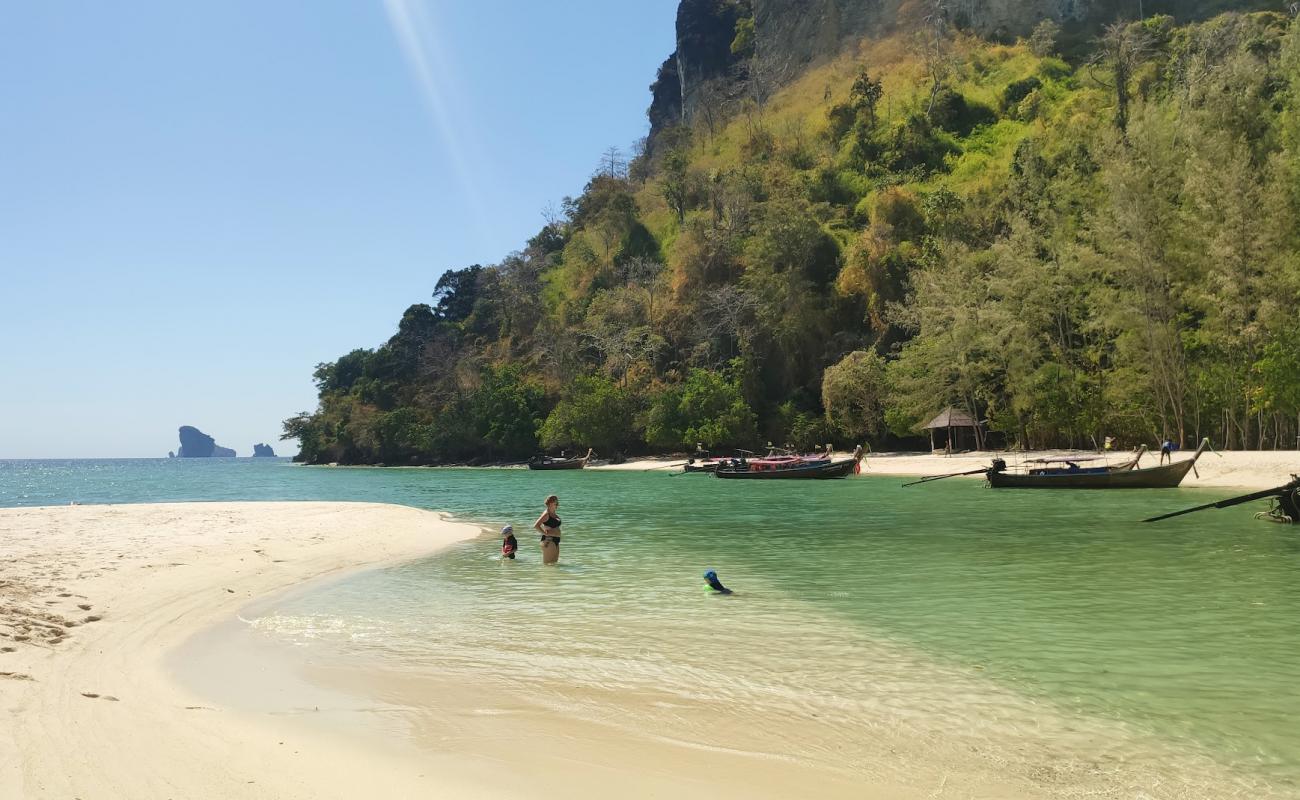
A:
{"points": [[1232, 501], [931, 478]]}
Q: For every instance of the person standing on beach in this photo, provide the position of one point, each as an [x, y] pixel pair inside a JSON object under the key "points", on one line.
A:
{"points": [[548, 525]]}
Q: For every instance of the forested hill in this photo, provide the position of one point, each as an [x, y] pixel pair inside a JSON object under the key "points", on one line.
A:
{"points": [[1073, 232]]}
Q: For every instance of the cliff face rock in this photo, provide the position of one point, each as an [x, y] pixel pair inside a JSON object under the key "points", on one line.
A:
{"points": [[197, 444], [705, 31], [792, 34], [263, 451]]}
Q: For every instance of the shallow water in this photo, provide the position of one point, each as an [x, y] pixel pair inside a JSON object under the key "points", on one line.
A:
{"points": [[1045, 631]]}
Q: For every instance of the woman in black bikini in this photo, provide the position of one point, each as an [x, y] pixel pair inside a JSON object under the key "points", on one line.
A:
{"points": [[548, 525]]}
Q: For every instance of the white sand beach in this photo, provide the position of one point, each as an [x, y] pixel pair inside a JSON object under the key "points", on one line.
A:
{"points": [[92, 598], [101, 608], [98, 604], [1245, 469]]}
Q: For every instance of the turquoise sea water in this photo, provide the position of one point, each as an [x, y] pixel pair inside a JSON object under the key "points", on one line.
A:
{"points": [[857, 600]]}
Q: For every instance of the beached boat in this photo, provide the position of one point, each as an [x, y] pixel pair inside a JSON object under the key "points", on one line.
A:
{"points": [[1071, 475], [791, 468], [547, 462], [775, 457], [703, 465], [1054, 465], [1285, 507]]}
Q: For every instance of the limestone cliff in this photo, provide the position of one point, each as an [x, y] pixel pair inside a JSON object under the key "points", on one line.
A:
{"points": [[263, 451], [796, 33], [197, 444]]}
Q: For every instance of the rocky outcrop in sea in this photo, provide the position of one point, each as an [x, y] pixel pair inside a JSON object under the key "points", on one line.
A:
{"points": [[197, 444], [263, 451]]}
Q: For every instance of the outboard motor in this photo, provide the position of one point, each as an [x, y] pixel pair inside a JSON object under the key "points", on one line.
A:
{"points": [[1288, 502], [998, 466]]}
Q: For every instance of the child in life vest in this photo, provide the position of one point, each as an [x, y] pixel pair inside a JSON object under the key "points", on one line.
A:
{"points": [[509, 544]]}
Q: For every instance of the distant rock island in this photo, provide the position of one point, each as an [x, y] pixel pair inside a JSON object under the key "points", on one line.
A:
{"points": [[263, 451], [197, 444]]}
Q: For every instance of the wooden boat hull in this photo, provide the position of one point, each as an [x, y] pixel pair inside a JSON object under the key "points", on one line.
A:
{"points": [[835, 469], [694, 468], [1168, 476], [573, 463]]}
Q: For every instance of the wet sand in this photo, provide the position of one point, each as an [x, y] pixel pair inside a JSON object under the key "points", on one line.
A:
{"points": [[93, 598]]}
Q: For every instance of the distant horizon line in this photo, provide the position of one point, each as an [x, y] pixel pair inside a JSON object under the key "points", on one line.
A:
{"points": [[141, 458]]}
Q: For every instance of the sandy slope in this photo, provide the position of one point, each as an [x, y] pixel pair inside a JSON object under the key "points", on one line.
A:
{"points": [[91, 598]]}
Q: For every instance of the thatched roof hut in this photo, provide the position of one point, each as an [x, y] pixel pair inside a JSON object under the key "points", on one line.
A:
{"points": [[961, 430]]}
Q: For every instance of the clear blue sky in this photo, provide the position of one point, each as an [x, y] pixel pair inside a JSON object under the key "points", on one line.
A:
{"points": [[199, 201]]}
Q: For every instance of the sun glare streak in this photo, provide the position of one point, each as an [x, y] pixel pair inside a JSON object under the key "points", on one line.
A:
{"points": [[417, 37]]}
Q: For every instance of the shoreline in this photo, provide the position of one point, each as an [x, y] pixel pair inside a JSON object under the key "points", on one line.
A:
{"points": [[110, 706], [114, 708], [1231, 469], [93, 600]]}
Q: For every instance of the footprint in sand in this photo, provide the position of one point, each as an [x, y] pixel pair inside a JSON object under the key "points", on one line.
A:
{"points": [[17, 676], [92, 618], [8, 649], [84, 606]]}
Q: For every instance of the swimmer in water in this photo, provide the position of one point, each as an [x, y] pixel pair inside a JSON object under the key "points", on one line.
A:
{"points": [[711, 578]]}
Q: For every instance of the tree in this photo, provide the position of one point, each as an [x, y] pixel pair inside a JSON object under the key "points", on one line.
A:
{"points": [[765, 72], [715, 412], [595, 412], [665, 426], [743, 43], [675, 182], [646, 274], [306, 428], [866, 94], [343, 374], [713, 101], [455, 293], [1122, 48], [508, 410], [613, 164], [854, 393], [934, 50], [1042, 42]]}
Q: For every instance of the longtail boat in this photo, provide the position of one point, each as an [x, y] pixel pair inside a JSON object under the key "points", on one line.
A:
{"points": [[791, 468], [1285, 507], [775, 457], [1165, 476], [703, 465], [546, 462], [1049, 466]]}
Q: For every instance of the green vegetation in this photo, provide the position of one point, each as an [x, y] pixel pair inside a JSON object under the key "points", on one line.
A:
{"points": [[1069, 250]]}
